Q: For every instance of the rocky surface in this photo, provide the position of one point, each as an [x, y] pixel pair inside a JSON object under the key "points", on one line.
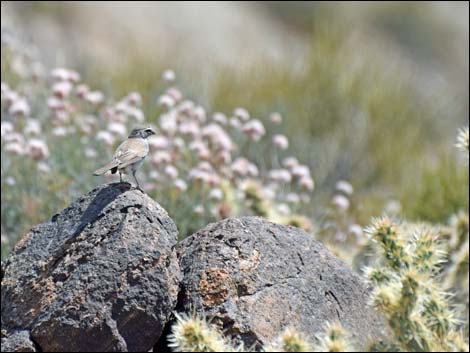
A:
{"points": [[17, 341], [254, 278], [102, 275]]}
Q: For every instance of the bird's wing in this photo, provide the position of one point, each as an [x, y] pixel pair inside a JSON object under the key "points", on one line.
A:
{"points": [[130, 151]]}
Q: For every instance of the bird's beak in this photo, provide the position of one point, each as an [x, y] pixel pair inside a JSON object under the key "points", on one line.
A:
{"points": [[153, 132]]}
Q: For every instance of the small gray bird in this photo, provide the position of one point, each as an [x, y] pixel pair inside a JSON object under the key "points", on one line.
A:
{"points": [[129, 155]]}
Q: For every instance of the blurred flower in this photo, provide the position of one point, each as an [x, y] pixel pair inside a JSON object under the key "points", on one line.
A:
{"points": [[19, 108], [14, 148], [292, 197], [280, 175], [276, 118], [60, 74], [235, 123], [43, 167], [10, 181], [181, 185], [158, 142], [356, 231], [340, 202], [74, 76], [60, 117], [223, 157], [62, 89], [171, 171], [136, 114], [166, 101], [37, 149], [106, 137], [81, 91], [218, 137], [168, 76], [281, 142], [10, 97], [14, 137], [254, 129], [219, 118], [393, 207], [290, 162], [344, 187], [161, 157], [198, 209], [32, 127], [55, 104], [186, 108], [5, 88], [243, 167], [168, 123], [174, 93], [59, 131], [300, 171], [178, 143], [307, 183], [117, 129], [94, 97], [190, 128], [283, 209], [134, 99], [199, 114], [241, 114], [200, 148], [216, 194], [6, 128]]}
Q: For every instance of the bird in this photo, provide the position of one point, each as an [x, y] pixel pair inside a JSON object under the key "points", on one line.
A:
{"points": [[129, 155]]}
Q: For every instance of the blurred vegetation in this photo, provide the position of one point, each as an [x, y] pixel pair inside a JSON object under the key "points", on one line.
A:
{"points": [[348, 113], [371, 103]]}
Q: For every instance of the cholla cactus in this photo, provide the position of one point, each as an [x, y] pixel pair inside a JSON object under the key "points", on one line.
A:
{"points": [[193, 334], [408, 288], [456, 272], [255, 199], [334, 340], [462, 140], [290, 341], [384, 231]]}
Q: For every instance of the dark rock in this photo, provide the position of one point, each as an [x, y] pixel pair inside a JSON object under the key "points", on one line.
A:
{"points": [[102, 275], [254, 278]]}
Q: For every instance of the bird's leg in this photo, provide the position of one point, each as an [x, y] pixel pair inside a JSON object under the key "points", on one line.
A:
{"points": [[136, 181], [120, 176]]}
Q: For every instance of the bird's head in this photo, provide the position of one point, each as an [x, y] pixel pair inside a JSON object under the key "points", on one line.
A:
{"points": [[141, 132]]}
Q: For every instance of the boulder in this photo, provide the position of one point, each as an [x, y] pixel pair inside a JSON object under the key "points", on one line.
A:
{"points": [[17, 341], [253, 278], [102, 275]]}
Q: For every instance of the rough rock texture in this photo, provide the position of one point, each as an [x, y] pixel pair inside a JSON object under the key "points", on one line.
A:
{"points": [[102, 275], [255, 278], [18, 341]]}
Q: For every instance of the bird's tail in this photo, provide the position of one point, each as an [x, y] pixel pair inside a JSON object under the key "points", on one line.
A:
{"points": [[104, 169]]}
